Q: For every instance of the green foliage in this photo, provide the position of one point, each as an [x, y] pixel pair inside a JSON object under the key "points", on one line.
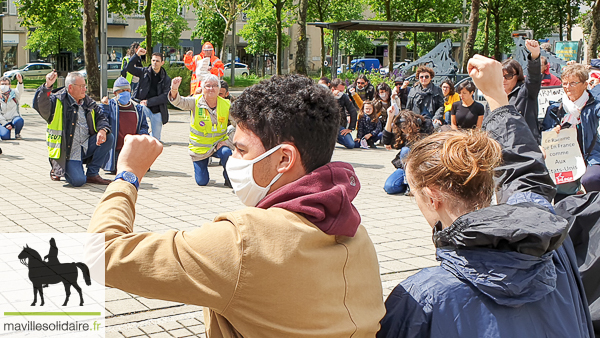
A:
{"points": [[209, 26], [259, 30], [350, 42], [375, 78], [56, 25], [184, 73], [167, 24]]}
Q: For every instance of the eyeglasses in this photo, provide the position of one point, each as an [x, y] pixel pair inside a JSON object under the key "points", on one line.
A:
{"points": [[423, 76], [210, 86], [508, 76], [360, 83], [80, 85], [570, 84]]}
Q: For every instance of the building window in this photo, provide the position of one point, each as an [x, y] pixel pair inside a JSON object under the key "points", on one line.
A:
{"points": [[12, 8]]}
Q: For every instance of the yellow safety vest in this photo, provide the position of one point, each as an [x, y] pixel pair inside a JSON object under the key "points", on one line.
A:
{"points": [[123, 65], [54, 130], [203, 134]]}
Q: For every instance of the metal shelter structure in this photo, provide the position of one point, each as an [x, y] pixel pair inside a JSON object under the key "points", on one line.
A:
{"points": [[385, 26]]}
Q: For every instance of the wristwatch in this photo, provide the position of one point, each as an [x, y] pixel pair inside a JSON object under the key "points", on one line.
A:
{"points": [[129, 177]]}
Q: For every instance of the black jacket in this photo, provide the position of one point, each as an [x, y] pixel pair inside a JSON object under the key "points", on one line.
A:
{"points": [[525, 97], [45, 102], [369, 93], [432, 99], [143, 88], [124, 68], [347, 109], [524, 169]]}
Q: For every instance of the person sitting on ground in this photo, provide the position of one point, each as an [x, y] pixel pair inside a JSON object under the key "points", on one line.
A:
{"points": [[10, 118], [324, 81], [466, 113], [425, 98], [224, 91], [507, 270], [209, 118], [369, 126], [382, 101], [401, 131], [442, 116], [361, 90], [78, 130], [523, 93], [548, 79], [578, 109], [348, 114], [400, 92], [295, 263], [125, 117]]}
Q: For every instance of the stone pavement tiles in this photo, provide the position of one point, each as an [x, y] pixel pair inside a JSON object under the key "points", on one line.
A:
{"points": [[170, 199]]}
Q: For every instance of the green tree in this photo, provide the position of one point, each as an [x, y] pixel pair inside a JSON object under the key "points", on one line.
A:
{"points": [[258, 31], [167, 23], [301, 61], [282, 8], [209, 27], [55, 30]]}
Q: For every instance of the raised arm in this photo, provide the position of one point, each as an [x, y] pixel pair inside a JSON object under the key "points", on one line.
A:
{"points": [[523, 168]]}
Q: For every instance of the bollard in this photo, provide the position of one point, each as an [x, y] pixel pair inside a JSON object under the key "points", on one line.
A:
{"points": [[60, 82]]}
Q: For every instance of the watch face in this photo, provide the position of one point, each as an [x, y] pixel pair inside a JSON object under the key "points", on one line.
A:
{"points": [[129, 177]]}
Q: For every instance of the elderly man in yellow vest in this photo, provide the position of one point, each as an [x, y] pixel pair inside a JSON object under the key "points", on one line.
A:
{"points": [[209, 115]]}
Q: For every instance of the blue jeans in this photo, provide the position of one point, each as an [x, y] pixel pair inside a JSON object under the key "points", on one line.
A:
{"points": [[201, 167], [17, 124], [155, 122], [396, 183], [447, 118], [347, 140], [74, 170]]}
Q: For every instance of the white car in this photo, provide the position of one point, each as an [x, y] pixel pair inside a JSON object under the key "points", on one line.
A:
{"points": [[114, 70], [30, 70], [241, 69], [397, 65]]}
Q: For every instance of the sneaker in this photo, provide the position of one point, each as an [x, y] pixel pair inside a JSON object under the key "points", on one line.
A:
{"points": [[364, 144], [228, 184], [18, 136]]}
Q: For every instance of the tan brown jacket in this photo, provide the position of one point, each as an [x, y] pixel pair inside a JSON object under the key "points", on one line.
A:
{"points": [[259, 273]]}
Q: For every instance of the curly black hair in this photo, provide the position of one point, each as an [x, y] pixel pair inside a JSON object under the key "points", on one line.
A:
{"points": [[291, 108]]}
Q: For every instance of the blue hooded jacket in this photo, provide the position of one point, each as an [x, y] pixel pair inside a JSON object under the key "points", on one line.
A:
{"points": [[508, 270]]}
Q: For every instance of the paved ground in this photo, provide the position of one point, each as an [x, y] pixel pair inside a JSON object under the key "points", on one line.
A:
{"points": [[170, 199]]}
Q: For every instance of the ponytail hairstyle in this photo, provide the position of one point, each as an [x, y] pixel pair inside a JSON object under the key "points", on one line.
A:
{"points": [[460, 164], [374, 117], [406, 127]]}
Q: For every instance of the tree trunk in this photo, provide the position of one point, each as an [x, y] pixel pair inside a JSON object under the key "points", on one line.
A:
{"points": [[471, 34], [323, 53], [415, 51], [569, 20], [90, 26], [225, 33], [149, 45], [497, 52], [592, 52], [560, 26], [486, 40], [391, 52], [278, 24], [302, 44]]}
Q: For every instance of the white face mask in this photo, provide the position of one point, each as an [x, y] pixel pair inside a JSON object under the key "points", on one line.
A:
{"points": [[339, 95], [383, 96], [4, 88], [242, 180]]}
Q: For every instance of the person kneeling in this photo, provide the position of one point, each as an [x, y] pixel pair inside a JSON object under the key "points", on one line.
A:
{"points": [[78, 131], [10, 118], [208, 126], [125, 117]]}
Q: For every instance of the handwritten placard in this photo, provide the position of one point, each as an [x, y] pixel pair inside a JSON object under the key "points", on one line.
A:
{"points": [[546, 96], [563, 156]]}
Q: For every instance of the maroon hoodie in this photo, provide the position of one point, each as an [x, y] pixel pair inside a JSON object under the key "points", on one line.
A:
{"points": [[324, 197]]}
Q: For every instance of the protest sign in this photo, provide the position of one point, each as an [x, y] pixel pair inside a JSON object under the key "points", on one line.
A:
{"points": [[546, 96], [563, 156]]}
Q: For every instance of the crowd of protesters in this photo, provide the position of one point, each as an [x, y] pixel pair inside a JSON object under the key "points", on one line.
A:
{"points": [[511, 242]]}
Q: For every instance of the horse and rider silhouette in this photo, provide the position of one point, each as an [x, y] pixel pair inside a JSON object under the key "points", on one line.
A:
{"points": [[42, 273]]}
